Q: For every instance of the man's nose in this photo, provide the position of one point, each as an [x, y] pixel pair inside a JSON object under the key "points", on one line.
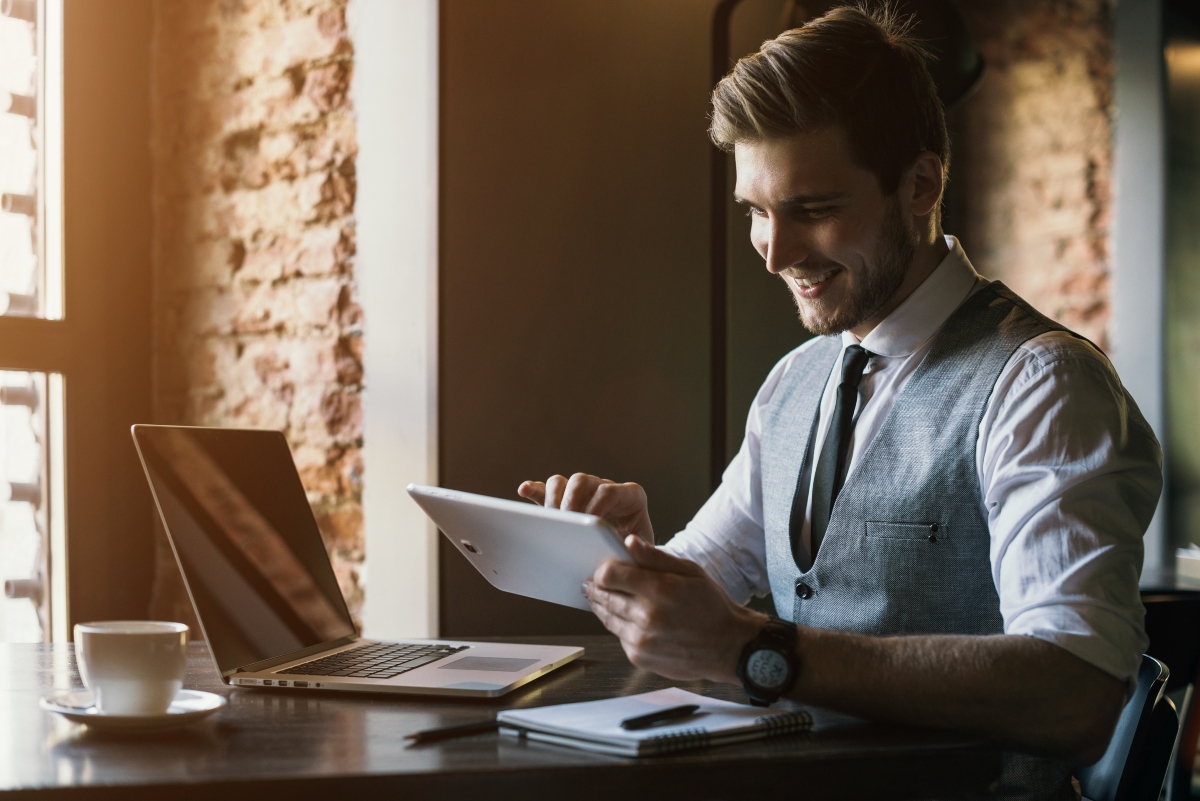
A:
{"points": [[780, 246]]}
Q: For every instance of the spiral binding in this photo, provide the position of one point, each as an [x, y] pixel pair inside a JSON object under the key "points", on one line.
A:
{"points": [[769, 725], [785, 723], [679, 740]]}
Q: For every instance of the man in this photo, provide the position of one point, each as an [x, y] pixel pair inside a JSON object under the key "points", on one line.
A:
{"points": [[945, 493]]}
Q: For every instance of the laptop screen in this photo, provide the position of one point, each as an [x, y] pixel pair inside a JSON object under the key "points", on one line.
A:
{"points": [[246, 541]]}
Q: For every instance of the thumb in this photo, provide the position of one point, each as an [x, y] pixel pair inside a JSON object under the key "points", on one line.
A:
{"points": [[648, 557]]}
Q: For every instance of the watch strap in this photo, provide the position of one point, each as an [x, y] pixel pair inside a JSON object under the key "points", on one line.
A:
{"points": [[779, 632], [776, 635]]}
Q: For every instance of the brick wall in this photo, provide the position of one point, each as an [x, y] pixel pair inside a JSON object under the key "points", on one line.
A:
{"points": [[257, 323], [1032, 197]]}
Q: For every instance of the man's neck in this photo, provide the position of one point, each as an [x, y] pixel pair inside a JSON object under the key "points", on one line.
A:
{"points": [[930, 253]]}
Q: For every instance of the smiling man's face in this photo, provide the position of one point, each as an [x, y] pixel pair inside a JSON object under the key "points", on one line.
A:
{"points": [[822, 223]]}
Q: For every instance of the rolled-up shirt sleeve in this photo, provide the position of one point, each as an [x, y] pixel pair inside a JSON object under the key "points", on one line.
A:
{"points": [[1070, 476]]}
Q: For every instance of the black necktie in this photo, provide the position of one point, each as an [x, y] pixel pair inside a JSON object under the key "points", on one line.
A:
{"points": [[831, 467]]}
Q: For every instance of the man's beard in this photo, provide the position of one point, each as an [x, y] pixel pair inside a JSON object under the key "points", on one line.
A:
{"points": [[880, 279]]}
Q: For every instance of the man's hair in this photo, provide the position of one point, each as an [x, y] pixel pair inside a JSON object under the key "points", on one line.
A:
{"points": [[856, 68]]}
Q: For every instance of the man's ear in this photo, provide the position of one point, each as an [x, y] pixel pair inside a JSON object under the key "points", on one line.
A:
{"points": [[925, 183]]}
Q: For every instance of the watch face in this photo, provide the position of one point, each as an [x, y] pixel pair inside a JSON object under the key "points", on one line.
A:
{"points": [[768, 669]]}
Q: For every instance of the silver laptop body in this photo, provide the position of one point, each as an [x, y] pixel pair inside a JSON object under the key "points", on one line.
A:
{"points": [[263, 587]]}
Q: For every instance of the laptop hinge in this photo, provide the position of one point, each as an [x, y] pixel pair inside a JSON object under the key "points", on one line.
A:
{"points": [[312, 650]]}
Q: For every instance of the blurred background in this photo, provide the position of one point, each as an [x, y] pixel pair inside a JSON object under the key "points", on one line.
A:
{"points": [[472, 242]]}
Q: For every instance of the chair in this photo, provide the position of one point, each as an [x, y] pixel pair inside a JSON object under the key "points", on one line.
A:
{"points": [[1173, 626], [1135, 765]]}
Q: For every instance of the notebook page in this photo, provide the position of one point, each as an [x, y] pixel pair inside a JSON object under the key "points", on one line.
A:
{"points": [[600, 721]]}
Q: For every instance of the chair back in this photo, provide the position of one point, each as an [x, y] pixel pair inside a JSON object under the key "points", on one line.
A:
{"points": [[1149, 779], [1113, 777]]}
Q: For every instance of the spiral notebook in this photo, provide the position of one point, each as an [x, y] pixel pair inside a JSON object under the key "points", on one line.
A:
{"points": [[596, 725]]}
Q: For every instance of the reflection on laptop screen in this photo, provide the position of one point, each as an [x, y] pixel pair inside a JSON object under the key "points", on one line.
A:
{"points": [[246, 541]]}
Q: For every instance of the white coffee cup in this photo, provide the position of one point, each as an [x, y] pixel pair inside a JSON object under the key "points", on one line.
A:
{"points": [[132, 667]]}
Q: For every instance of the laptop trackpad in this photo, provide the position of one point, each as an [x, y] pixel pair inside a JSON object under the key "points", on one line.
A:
{"points": [[499, 664]]}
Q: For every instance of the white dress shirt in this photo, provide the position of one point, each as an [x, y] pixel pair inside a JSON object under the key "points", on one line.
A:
{"points": [[1066, 491]]}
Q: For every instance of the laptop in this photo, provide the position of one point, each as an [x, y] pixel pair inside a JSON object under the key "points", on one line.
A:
{"points": [[264, 590]]}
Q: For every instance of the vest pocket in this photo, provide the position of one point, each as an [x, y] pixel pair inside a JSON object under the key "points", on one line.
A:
{"points": [[931, 532], [919, 581]]}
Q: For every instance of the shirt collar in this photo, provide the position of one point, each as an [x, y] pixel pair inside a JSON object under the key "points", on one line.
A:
{"points": [[922, 313]]}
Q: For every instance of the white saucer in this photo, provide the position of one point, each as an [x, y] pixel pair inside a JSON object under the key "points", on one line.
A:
{"points": [[188, 707]]}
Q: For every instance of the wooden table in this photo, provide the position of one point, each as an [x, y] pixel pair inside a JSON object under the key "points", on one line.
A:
{"points": [[299, 745]]}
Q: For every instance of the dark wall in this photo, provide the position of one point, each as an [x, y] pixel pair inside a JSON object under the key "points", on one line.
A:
{"points": [[106, 231], [574, 264]]}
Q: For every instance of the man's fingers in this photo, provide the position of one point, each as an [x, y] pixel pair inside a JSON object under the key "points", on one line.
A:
{"points": [[614, 603], [560, 493], [533, 491], [555, 486], [606, 497], [622, 506], [648, 557], [619, 626], [616, 611], [617, 576], [580, 489], [626, 617], [612, 500], [630, 579]]}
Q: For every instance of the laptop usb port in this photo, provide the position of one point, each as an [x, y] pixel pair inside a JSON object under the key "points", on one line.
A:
{"points": [[299, 683], [267, 682]]}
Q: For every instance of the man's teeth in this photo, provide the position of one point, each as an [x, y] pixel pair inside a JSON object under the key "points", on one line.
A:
{"points": [[811, 282]]}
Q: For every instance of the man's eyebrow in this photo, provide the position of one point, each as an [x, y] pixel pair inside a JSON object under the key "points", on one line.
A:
{"points": [[801, 200], [808, 200]]}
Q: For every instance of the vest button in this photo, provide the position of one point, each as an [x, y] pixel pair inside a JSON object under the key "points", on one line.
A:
{"points": [[803, 591]]}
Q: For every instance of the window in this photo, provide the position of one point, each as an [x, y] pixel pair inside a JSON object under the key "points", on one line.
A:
{"points": [[32, 538]]}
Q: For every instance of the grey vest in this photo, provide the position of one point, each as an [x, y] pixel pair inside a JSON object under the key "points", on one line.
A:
{"points": [[907, 547]]}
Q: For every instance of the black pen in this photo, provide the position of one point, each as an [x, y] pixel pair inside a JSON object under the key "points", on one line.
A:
{"points": [[659, 716], [450, 732]]}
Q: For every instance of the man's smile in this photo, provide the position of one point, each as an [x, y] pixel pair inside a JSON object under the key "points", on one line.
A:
{"points": [[810, 287], [816, 279]]}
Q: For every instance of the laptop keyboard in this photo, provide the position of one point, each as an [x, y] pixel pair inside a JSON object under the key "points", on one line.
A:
{"points": [[381, 660]]}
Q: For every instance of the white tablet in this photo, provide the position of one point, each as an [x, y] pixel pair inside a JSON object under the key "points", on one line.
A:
{"points": [[522, 548]]}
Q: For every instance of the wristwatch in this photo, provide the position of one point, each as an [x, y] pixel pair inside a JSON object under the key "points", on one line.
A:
{"points": [[768, 664]]}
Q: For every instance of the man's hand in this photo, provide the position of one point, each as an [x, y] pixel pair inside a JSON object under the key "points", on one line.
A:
{"points": [[623, 506], [670, 616]]}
